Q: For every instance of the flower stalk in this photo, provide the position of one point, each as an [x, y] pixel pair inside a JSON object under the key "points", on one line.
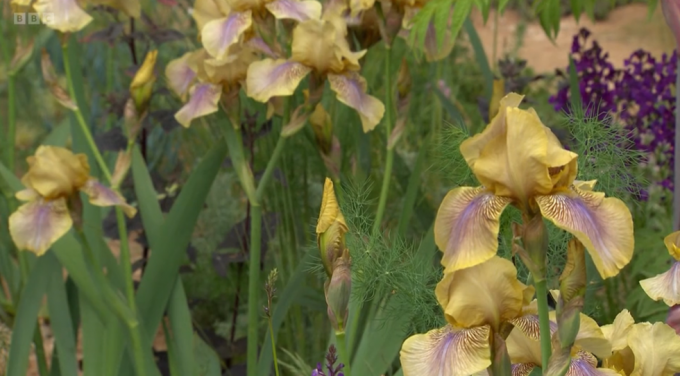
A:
{"points": [[342, 352], [11, 108], [270, 289], [389, 160]]}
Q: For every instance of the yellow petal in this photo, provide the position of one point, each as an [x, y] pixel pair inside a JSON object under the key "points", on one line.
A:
{"points": [[664, 286], [203, 101], [447, 351], [617, 332], [28, 194], [330, 210], [522, 348], [320, 45], [672, 241], [467, 225], [590, 336], [56, 172], [63, 15], [484, 294], [271, 78], [101, 195], [585, 364], [350, 89], [36, 225], [145, 74], [656, 348], [522, 369], [603, 225], [180, 75], [220, 34], [205, 11], [358, 6], [298, 10], [585, 185]]}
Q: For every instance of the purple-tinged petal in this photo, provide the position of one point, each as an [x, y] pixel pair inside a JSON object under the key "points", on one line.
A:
{"points": [[218, 35], [350, 89], [298, 10], [36, 225], [273, 78], [101, 195], [203, 101]]}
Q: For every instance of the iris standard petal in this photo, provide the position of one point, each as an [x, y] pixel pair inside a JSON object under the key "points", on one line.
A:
{"points": [[672, 241], [447, 351], [603, 225], [36, 225], [656, 348], [180, 75], [101, 195], [63, 15], [298, 10], [56, 172], [272, 78], [205, 11], [665, 286], [617, 332], [350, 89], [466, 227], [484, 294], [220, 34], [202, 101]]}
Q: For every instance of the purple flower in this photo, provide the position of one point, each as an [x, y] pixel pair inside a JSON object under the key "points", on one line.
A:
{"points": [[331, 359]]}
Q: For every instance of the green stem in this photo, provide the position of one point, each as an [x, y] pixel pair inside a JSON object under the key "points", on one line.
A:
{"points": [[254, 286], [543, 320], [11, 104], [109, 80], [40, 351], [79, 116], [342, 352], [387, 177], [271, 334], [269, 170], [125, 259]]}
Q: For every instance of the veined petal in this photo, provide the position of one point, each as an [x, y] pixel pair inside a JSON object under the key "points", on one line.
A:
{"points": [[467, 225], [522, 348], [298, 10], [603, 225], [672, 241], [101, 195], [664, 286], [180, 75], [203, 101], [585, 364], [617, 332], [522, 369], [272, 78], [529, 326], [484, 294], [656, 348], [36, 225], [447, 351], [63, 15], [220, 34], [350, 89]]}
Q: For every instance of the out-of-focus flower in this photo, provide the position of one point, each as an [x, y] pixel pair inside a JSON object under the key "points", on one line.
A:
{"points": [[518, 160], [642, 349], [478, 302], [337, 291], [330, 229], [671, 12], [666, 286], [141, 86], [68, 16], [55, 174], [319, 46]]}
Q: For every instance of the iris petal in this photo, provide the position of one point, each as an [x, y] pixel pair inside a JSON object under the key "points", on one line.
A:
{"points": [[467, 225], [671, 241], [271, 78], [584, 364], [656, 348], [447, 351], [485, 294], [36, 225], [664, 286], [205, 11], [180, 75], [203, 101], [603, 225], [350, 89], [298, 10], [220, 34], [617, 332], [56, 172], [63, 15], [522, 369], [101, 195], [590, 336]]}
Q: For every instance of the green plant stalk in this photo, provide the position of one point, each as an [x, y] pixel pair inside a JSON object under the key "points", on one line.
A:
{"points": [[40, 351], [271, 334], [11, 106], [254, 286], [342, 352], [543, 320], [389, 161], [125, 260]]}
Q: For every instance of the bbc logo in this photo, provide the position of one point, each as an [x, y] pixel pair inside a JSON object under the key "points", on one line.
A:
{"points": [[32, 18]]}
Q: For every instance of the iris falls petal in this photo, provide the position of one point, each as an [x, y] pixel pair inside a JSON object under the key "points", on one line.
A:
{"points": [[101, 195], [272, 78], [298, 10], [447, 351], [220, 34], [36, 225], [665, 286], [63, 15], [350, 89], [203, 101], [467, 225], [603, 225]]}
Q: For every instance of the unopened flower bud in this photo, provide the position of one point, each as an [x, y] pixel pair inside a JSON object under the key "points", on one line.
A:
{"points": [[338, 292], [142, 84], [331, 228], [573, 279], [403, 80]]}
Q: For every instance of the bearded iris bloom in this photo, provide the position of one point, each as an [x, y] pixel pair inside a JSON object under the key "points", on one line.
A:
{"points": [[666, 286], [519, 161], [319, 47], [477, 302], [55, 174]]}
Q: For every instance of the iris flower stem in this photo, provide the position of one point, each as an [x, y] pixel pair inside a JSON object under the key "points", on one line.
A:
{"points": [[543, 320], [342, 352], [254, 286], [389, 161], [11, 106], [271, 335]]}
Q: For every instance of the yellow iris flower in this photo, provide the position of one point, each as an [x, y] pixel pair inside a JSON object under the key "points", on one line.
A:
{"points": [[477, 302], [54, 175], [519, 161], [642, 349], [319, 46], [666, 286], [67, 16]]}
